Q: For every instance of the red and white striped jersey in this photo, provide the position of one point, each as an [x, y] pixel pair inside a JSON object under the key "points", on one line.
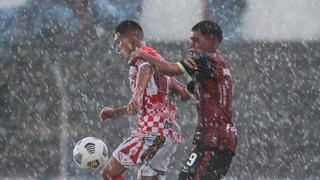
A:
{"points": [[157, 111]]}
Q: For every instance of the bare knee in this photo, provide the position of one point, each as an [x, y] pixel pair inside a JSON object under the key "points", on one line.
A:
{"points": [[107, 171], [106, 174], [112, 168]]}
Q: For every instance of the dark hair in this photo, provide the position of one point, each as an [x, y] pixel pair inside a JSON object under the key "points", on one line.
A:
{"points": [[209, 28], [128, 26]]}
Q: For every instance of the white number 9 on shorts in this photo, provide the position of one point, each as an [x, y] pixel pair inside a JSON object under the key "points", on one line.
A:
{"points": [[192, 159]]}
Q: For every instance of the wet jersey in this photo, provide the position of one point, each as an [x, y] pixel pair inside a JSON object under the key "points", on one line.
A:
{"points": [[211, 84], [157, 111]]}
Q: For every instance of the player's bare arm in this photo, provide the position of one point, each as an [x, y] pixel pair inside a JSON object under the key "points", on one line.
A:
{"points": [[180, 89], [143, 77], [112, 112], [165, 67]]}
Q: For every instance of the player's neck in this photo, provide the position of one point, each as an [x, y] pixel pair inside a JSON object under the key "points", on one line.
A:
{"points": [[211, 51]]}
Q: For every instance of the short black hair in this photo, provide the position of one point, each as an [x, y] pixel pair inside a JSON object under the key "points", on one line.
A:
{"points": [[209, 28], [128, 26]]}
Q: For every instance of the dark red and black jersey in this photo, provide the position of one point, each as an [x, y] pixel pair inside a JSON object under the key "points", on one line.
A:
{"points": [[211, 85]]}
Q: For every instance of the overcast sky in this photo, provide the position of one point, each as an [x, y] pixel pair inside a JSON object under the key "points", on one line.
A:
{"points": [[282, 20], [269, 20]]}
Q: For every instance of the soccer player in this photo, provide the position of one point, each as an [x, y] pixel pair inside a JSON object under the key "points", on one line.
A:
{"points": [[210, 82], [157, 134]]}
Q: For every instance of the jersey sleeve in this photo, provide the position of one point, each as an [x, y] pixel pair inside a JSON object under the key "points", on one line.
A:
{"points": [[188, 67], [198, 67]]}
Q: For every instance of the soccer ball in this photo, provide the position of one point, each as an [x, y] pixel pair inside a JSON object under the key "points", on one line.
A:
{"points": [[90, 153]]}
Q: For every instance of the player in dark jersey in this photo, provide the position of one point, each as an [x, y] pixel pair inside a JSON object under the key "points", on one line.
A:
{"points": [[210, 82]]}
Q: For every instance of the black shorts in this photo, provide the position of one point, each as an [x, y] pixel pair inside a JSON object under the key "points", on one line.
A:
{"points": [[206, 163]]}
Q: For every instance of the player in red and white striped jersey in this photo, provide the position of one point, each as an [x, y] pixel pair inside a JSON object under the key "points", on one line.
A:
{"points": [[157, 134]]}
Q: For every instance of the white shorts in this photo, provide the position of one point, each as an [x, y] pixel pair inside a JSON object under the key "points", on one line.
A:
{"points": [[137, 151]]}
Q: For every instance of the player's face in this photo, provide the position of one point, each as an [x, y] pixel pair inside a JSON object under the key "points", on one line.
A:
{"points": [[199, 42], [123, 46]]}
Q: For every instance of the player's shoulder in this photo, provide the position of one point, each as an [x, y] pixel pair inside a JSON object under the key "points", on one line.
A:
{"points": [[217, 57], [147, 49], [141, 62], [150, 51]]}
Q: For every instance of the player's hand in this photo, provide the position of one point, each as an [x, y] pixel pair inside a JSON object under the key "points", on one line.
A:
{"points": [[135, 55], [133, 106], [106, 112]]}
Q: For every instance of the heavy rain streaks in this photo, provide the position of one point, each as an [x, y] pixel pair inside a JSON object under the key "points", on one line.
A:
{"points": [[59, 67]]}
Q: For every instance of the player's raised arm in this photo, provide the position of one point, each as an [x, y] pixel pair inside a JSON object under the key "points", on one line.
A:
{"points": [[143, 77], [165, 67], [110, 112]]}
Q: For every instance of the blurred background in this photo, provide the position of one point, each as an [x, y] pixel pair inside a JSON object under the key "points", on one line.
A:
{"points": [[59, 68]]}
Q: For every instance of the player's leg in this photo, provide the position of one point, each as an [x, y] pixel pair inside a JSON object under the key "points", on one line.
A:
{"points": [[189, 168], [156, 158], [218, 165], [146, 172], [206, 164], [120, 159], [112, 170]]}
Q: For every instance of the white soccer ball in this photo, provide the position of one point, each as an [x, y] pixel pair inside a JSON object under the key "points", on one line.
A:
{"points": [[90, 153]]}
